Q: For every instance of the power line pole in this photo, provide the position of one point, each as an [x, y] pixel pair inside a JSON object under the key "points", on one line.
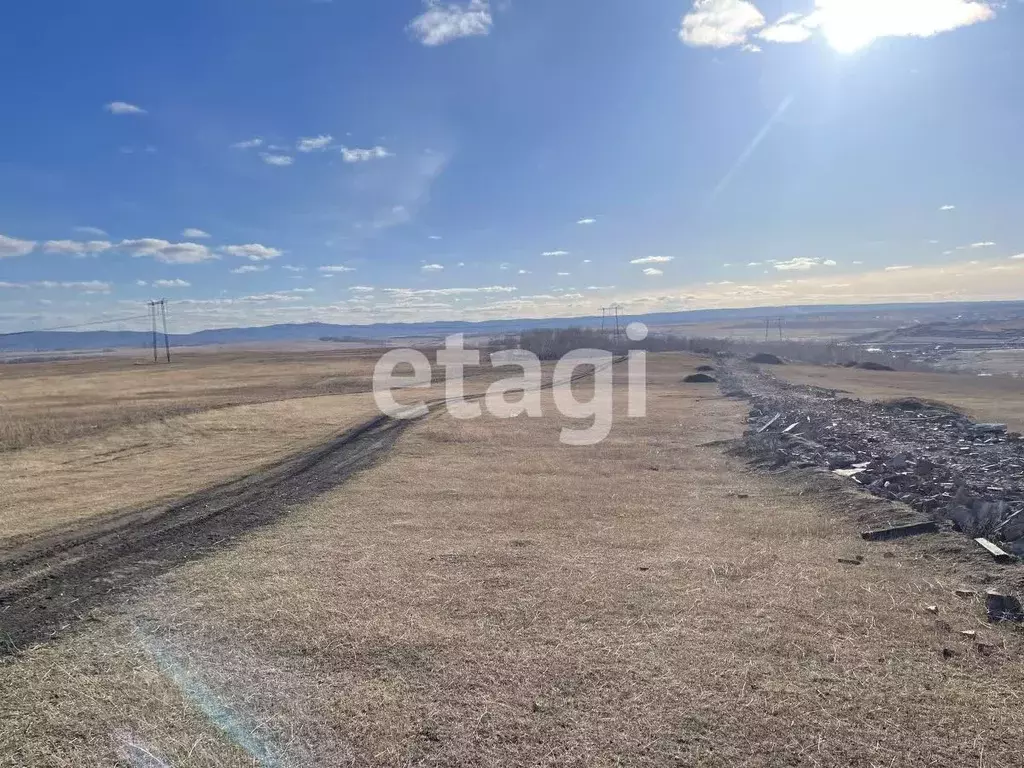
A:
{"points": [[167, 339], [152, 318]]}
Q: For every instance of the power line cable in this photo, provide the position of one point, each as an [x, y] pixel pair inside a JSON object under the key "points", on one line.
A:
{"points": [[77, 325]]}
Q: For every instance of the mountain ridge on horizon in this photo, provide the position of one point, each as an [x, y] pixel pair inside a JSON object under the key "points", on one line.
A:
{"points": [[77, 340]]}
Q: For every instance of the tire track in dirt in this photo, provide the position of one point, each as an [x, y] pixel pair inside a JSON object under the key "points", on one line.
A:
{"points": [[49, 582]]}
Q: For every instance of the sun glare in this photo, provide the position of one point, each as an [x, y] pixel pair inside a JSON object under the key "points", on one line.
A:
{"points": [[849, 26], [849, 36]]}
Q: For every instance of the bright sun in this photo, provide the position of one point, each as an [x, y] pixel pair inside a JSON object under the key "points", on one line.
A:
{"points": [[849, 35], [850, 25]]}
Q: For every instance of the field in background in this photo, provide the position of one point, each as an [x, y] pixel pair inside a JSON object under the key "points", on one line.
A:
{"points": [[487, 596], [985, 399]]}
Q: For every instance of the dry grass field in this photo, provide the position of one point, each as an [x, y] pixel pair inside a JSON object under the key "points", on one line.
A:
{"points": [[47, 403], [486, 596], [93, 437], [987, 399]]}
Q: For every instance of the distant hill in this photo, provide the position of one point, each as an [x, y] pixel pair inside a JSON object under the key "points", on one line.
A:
{"points": [[61, 341]]}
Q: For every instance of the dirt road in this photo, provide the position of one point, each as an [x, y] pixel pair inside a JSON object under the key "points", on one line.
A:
{"points": [[49, 581]]}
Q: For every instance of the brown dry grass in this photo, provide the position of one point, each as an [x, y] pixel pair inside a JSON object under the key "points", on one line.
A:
{"points": [[994, 399], [158, 433], [49, 403], [488, 597]]}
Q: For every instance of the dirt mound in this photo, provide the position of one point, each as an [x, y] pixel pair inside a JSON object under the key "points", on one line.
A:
{"points": [[871, 366], [705, 368], [699, 378], [764, 358]]}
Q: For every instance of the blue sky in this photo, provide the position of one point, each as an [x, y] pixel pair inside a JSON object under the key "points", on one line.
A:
{"points": [[359, 161]]}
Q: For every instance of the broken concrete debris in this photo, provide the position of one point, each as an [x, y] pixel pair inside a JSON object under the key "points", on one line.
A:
{"points": [[993, 549], [927, 455], [900, 531], [1002, 607]]}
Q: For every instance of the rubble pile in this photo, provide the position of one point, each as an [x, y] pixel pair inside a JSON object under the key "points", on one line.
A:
{"points": [[926, 455]]}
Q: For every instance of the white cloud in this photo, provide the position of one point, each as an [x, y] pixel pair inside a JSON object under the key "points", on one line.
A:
{"points": [[355, 155], [802, 263], [123, 108], [252, 251], [587, 221], [248, 144], [75, 248], [429, 292], [791, 28], [720, 23], [847, 25], [94, 231], [278, 296], [314, 143], [1018, 256], [652, 272], [291, 268], [899, 268], [194, 233], [176, 283], [986, 244], [431, 268], [653, 260], [278, 160], [555, 253], [751, 48], [88, 286], [12, 246], [524, 272], [337, 268], [433, 237], [249, 268], [361, 288], [948, 208], [169, 253], [562, 274], [441, 24], [852, 24]]}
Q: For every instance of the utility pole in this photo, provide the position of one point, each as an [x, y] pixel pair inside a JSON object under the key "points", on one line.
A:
{"points": [[152, 317], [167, 339]]}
